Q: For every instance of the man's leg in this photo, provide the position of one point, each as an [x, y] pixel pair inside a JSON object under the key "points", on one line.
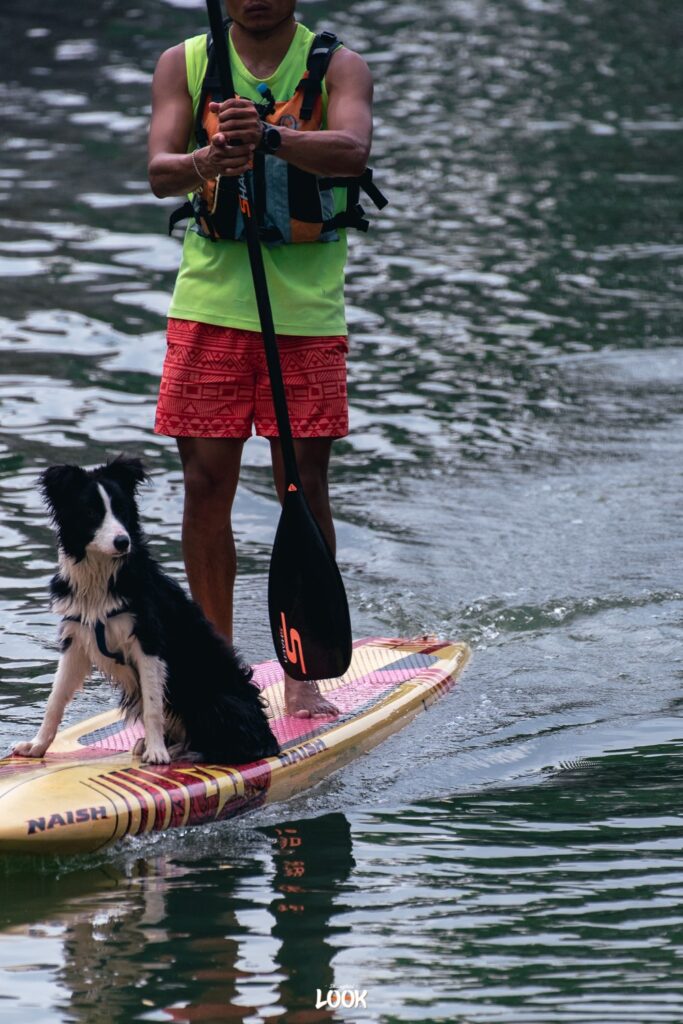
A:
{"points": [[211, 468], [313, 457]]}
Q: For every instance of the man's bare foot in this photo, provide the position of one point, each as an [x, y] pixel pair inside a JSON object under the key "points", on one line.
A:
{"points": [[304, 700]]}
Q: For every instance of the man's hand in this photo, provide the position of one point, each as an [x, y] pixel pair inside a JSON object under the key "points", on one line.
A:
{"points": [[220, 158], [172, 170], [233, 145], [238, 121]]}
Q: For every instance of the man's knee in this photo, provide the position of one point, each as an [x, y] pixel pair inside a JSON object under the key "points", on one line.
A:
{"points": [[207, 498], [211, 480], [315, 485], [313, 459]]}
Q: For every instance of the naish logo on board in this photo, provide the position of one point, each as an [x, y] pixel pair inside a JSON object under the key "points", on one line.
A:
{"points": [[307, 749], [76, 817]]}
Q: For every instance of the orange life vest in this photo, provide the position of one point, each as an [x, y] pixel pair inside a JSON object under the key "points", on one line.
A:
{"points": [[291, 205]]}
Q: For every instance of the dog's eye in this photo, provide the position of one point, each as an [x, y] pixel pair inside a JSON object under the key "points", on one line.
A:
{"points": [[91, 515]]}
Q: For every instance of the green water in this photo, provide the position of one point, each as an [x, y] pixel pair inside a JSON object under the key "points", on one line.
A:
{"points": [[513, 478]]}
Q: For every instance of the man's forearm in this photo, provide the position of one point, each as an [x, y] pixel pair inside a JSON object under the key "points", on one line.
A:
{"points": [[174, 174], [328, 154]]}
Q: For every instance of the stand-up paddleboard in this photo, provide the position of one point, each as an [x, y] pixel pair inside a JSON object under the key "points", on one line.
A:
{"points": [[90, 790]]}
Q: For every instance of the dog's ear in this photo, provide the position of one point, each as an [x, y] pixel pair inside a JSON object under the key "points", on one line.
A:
{"points": [[127, 472], [57, 482]]}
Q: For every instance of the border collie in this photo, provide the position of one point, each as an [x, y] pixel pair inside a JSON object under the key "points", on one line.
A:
{"points": [[121, 613]]}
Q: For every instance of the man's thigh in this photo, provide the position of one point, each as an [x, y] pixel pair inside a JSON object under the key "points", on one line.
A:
{"points": [[314, 375], [208, 381]]}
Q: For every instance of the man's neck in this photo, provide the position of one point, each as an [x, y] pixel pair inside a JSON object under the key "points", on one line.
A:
{"points": [[263, 52]]}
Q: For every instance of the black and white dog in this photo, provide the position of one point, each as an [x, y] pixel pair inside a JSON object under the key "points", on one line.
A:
{"points": [[121, 613]]}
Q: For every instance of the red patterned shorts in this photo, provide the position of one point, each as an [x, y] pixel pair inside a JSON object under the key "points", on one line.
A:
{"points": [[215, 383]]}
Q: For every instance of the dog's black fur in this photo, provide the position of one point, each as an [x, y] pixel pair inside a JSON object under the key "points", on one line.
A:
{"points": [[210, 705]]}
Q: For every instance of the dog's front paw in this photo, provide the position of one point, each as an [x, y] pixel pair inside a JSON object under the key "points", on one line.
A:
{"points": [[156, 755], [32, 748]]}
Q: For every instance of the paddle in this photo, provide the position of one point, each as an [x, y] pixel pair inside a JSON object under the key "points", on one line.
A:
{"points": [[307, 606]]}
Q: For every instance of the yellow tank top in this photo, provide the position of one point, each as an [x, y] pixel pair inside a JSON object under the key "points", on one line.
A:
{"points": [[305, 282]]}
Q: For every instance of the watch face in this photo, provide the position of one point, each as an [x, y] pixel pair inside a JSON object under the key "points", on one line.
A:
{"points": [[272, 139]]}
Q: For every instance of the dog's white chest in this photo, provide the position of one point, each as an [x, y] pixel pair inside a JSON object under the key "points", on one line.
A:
{"points": [[110, 645]]}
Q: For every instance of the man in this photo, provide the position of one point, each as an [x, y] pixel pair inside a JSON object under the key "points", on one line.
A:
{"points": [[214, 385]]}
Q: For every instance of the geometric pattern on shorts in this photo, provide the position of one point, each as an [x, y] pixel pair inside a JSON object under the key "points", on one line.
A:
{"points": [[215, 383]]}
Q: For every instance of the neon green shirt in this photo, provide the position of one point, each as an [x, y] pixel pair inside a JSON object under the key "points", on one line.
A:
{"points": [[305, 280]]}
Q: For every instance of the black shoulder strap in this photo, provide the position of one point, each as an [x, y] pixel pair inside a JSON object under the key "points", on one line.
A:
{"points": [[322, 48]]}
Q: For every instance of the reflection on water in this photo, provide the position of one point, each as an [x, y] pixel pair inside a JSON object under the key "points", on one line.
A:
{"points": [[512, 478], [133, 938], [564, 893]]}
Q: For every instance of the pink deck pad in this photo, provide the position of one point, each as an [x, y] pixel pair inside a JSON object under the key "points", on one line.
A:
{"points": [[351, 696], [123, 740]]}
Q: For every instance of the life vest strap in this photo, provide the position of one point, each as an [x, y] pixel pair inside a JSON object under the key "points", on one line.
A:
{"points": [[364, 181], [322, 48], [351, 217], [182, 213]]}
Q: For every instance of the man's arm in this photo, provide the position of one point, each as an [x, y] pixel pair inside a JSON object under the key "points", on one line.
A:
{"points": [[172, 170], [343, 149]]}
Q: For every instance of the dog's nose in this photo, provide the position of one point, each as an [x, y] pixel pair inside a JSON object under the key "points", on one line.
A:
{"points": [[122, 542]]}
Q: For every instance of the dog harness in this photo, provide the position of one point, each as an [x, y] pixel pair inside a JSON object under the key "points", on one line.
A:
{"points": [[100, 636], [291, 205]]}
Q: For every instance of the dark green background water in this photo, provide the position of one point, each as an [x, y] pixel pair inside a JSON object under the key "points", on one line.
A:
{"points": [[513, 478]]}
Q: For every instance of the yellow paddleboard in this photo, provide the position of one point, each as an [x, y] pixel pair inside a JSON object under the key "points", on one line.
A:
{"points": [[89, 790]]}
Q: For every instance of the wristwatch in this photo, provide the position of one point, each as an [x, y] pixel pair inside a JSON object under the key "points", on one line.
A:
{"points": [[271, 140]]}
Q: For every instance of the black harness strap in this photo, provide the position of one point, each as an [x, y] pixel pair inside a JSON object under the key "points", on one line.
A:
{"points": [[102, 644], [100, 636]]}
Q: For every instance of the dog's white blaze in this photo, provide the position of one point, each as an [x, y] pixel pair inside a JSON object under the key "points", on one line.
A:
{"points": [[109, 529]]}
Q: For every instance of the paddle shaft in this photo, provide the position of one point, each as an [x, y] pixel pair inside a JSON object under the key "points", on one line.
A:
{"points": [[307, 605], [258, 271]]}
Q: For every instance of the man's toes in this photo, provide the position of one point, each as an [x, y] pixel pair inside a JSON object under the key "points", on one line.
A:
{"points": [[323, 707]]}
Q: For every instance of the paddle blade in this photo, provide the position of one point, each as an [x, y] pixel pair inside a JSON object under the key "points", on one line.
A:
{"points": [[309, 613]]}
